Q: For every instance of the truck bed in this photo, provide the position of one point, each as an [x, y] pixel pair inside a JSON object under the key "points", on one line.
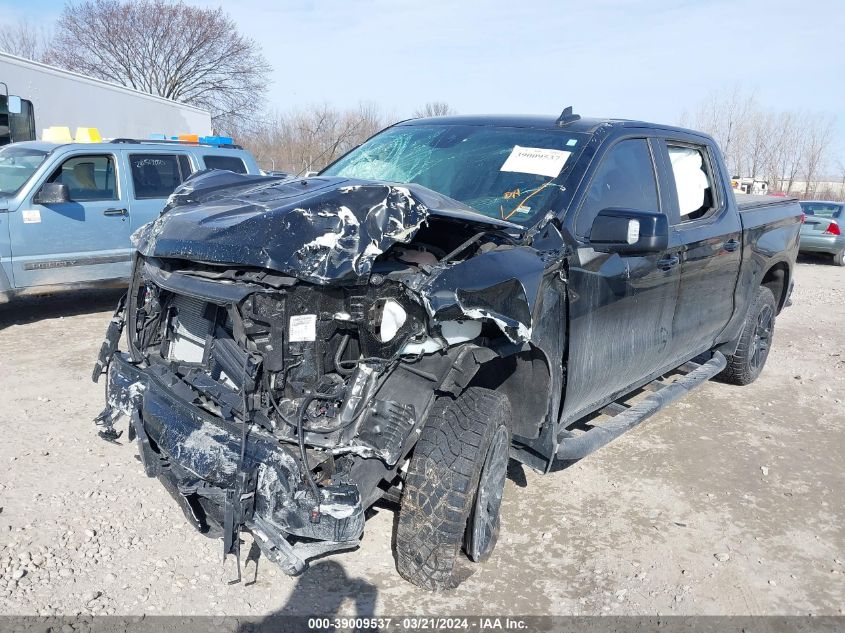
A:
{"points": [[747, 202], [767, 212]]}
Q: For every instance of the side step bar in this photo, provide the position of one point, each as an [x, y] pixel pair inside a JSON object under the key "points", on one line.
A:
{"points": [[574, 447]]}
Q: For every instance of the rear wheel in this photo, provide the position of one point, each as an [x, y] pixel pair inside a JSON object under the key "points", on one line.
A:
{"points": [[839, 258], [754, 343], [453, 489]]}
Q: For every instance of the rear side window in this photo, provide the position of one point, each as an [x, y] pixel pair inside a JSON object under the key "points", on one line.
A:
{"points": [[822, 209], [157, 175], [693, 181], [624, 180], [88, 178], [231, 163]]}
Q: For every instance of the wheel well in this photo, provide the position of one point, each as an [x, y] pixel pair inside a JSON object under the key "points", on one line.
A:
{"points": [[776, 279], [525, 379]]}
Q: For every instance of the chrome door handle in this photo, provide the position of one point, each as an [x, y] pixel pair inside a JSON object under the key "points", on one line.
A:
{"points": [[115, 212]]}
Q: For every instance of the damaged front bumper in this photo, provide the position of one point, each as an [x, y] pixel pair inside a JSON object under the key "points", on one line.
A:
{"points": [[197, 457]]}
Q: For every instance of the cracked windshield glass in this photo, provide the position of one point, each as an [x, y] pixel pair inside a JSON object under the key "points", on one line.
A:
{"points": [[501, 172]]}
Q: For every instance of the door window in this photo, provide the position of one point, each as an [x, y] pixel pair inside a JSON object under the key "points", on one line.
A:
{"points": [[225, 162], [693, 181], [88, 177], [158, 175], [185, 166], [624, 179]]}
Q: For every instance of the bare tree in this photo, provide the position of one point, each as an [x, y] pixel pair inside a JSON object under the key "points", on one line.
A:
{"points": [[757, 146], [818, 136], [783, 147], [27, 40], [840, 194], [724, 116], [185, 53], [434, 108], [785, 154], [308, 139]]}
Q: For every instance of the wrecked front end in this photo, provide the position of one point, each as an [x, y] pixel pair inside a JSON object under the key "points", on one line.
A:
{"points": [[285, 341]]}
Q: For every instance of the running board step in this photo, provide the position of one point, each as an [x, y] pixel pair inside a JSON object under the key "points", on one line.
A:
{"points": [[577, 446]]}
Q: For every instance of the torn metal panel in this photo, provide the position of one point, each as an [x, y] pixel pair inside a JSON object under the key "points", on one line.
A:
{"points": [[320, 230], [500, 286]]}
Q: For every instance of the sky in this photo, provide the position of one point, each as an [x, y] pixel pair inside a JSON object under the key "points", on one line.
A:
{"points": [[628, 59]]}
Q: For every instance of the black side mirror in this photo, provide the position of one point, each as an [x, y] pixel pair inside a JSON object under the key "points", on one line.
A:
{"points": [[52, 193], [629, 231]]}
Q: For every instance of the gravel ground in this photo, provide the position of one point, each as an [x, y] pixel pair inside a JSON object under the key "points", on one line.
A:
{"points": [[729, 502]]}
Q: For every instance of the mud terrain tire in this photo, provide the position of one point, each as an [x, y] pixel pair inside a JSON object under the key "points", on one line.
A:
{"points": [[442, 484], [754, 343]]}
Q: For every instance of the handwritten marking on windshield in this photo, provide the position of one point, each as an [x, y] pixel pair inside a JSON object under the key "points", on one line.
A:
{"points": [[527, 198]]}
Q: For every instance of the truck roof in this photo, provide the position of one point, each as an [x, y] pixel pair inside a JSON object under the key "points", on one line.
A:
{"points": [[44, 146], [584, 124]]}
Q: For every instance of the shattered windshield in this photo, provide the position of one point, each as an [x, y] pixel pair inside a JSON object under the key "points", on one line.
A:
{"points": [[17, 164], [503, 172]]}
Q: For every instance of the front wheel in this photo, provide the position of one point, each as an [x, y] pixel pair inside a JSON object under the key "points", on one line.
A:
{"points": [[453, 489], [745, 365]]}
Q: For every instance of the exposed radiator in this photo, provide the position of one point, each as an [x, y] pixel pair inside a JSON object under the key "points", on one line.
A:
{"points": [[192, 328]]}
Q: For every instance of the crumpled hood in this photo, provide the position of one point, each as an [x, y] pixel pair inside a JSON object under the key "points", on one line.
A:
{"points": [[320, 230]]}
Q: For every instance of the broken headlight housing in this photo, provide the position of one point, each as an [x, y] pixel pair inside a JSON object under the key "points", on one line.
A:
{"points": [[386, 318]]}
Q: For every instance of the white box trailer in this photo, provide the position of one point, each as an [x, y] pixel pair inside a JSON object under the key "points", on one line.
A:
{"points": [[753, 186], [63, 98]]}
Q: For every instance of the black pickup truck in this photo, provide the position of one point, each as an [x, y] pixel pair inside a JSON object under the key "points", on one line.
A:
{"points": [[452, 293]]}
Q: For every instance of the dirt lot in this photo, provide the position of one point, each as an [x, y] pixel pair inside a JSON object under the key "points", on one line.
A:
{"points": [[729, 502]]}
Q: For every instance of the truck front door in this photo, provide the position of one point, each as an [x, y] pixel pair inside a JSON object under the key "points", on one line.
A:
{"points": [[83, 239], [621, 307]]}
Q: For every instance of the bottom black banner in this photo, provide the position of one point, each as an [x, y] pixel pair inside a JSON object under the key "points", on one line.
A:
{"points": [[408, 623]]}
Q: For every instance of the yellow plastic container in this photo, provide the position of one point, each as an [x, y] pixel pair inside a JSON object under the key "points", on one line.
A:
{"points": [[88, 135], [56, 134]]}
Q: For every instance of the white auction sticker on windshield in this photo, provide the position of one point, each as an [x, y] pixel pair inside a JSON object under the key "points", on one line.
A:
{"points": [[536, 160], [303, 327]]}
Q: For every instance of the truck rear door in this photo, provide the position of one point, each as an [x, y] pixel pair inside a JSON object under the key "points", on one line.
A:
{"points": [[154, 175], [706, 224], [83, 239]]}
